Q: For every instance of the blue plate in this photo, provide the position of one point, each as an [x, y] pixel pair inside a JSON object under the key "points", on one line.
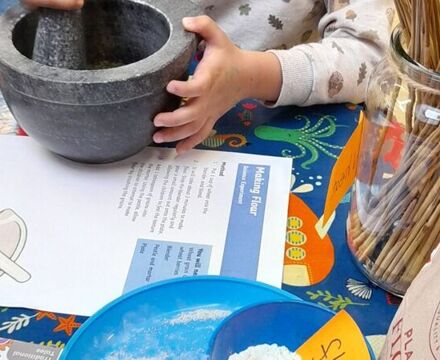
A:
{"points": [[285, 323], [173, 319]]}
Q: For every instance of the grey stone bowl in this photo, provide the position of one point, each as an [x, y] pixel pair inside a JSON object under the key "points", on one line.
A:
{"points": [[98, 115]]}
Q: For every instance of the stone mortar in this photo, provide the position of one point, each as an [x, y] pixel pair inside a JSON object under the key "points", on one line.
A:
{"points": [[98, 115]]}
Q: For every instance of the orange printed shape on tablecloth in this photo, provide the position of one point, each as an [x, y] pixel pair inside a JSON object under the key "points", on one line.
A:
{"points": [[308, 259], [67, 325], [351, 106], [394, 144], [45, 314]]}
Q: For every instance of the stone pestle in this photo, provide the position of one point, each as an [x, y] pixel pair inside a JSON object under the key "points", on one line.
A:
{"points": [[59, 39]]}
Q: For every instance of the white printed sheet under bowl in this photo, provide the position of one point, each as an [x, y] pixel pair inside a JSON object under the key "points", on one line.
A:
{"points": [[173, 319]]}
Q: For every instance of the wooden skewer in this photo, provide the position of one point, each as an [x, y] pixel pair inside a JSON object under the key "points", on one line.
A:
{"points": [[431, 237], [404, 252]]}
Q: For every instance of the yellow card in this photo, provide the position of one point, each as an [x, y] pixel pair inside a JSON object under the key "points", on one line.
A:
{"points": [[339, 339], [344, 171]]}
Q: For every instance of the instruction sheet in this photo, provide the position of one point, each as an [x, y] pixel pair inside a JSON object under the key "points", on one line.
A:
{"points": [[73, 236]]}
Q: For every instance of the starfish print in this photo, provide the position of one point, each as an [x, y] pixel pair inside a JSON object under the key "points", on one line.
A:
{"points": [[44, 314], [67, 325]]}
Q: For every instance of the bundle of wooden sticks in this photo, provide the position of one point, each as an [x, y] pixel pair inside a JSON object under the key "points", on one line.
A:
{"points": [[399, 226]]}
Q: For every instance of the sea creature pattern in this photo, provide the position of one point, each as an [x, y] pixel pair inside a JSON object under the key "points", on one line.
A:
{"points": [[217, 140], [359, 289], [246, 116], [302, 240], [306, 139]]}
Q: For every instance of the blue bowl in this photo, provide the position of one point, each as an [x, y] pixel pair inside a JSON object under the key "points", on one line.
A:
{"points": [[174, 319], [285, 323]]}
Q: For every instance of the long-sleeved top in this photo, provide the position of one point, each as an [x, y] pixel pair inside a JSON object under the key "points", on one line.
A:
{"points": [[327, 48]]}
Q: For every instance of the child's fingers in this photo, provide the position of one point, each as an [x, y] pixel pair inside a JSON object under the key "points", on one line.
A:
{"points": [[179, 117], [55, 4], [192, 141], [177, 133], [205, 27], [195, 87]]}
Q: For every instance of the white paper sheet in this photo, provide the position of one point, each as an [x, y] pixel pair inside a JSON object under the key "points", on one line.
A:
{"points": [[86, 234]]}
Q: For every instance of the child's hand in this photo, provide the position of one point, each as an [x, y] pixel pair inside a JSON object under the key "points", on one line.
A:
{"points": [[216, 86], [55, 4]]}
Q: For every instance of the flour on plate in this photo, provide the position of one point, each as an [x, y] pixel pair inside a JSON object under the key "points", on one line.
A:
{"points": [[199, 315], [265, 352]]}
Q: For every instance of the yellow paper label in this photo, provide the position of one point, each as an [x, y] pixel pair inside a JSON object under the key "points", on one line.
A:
{"points": [[339, 339], [344, 171]]}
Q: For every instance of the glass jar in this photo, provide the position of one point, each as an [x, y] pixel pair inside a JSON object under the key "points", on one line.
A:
{"points": [[394, 221]]}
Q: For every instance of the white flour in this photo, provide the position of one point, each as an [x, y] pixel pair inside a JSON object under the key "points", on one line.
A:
{"points": [[120, 355], [265, 352], [199, 315]]}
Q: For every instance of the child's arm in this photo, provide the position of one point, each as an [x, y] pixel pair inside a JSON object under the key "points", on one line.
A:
{"points": [[355, 36], [225, 75], [56, 4]]}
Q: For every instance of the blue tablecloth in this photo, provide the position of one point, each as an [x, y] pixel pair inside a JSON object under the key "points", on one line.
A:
{"points": [[4, 4]]}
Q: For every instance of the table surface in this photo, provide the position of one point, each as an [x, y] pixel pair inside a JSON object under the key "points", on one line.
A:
{"points": [[317, 136]]}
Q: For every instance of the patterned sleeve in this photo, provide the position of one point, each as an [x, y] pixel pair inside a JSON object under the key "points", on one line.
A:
{"points": [[355, 35]]}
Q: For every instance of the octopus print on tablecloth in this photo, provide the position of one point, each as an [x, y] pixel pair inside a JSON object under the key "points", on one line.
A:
{"points": [[308, 138]]}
